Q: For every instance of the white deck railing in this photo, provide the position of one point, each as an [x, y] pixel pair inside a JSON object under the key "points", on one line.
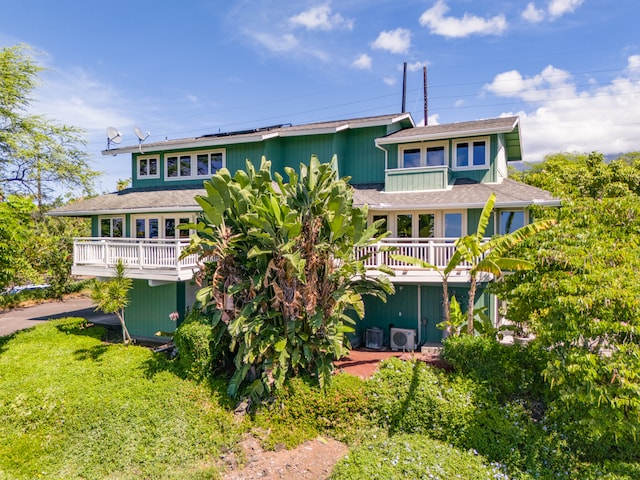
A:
{"points": [[134, 253], [436, 251]]}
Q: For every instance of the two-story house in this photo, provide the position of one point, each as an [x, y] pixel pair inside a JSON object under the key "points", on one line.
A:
{"points": [[428, 183]]}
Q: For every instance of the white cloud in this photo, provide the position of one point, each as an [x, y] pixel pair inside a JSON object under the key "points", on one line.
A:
{"points": [[277, 43], [532, 14], [362, 62], [557, 8], [416, 66], [439, 24], [560, 117], [394, 41], [320, 18], [391, 81]]}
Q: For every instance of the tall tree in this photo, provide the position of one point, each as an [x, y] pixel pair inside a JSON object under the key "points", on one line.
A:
{"points": [[112, 296], [37, 155], [279, 261]]}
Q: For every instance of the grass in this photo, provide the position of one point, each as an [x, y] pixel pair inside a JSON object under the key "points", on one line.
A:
{"points": [[74, 407]]}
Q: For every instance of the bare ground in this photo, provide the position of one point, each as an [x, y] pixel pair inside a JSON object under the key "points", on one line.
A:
{"points": [[313, 460]]}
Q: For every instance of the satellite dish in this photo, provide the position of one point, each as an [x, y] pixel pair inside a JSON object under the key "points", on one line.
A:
{"points": [[113, 136], [141, 136]]}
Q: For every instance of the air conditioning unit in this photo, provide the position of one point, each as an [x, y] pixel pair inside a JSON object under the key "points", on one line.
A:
{"points": [[373, 338], [403, 339]]}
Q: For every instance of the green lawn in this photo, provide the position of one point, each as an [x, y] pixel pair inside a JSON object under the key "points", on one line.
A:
{"points": [[74, 407]]}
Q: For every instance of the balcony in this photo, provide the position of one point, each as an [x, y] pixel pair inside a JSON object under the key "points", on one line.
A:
{"points": [[148, 259], [436, 251]]}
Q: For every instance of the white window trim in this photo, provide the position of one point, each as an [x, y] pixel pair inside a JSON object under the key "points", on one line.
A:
{"points": [[487, 149], [161, 224], [439, 215], [111, 219], [194, 163], [149, 157], [423, 146]]}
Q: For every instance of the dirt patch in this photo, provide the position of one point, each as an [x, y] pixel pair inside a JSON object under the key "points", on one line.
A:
{"points": [[313, 460]]}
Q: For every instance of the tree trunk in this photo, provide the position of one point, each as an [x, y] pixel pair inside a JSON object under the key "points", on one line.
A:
{"points": [[470, 306]]}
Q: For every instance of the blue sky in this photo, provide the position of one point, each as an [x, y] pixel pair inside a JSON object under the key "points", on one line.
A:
{"points": [[569, 68]]}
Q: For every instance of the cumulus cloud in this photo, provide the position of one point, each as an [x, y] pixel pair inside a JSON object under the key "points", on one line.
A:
{"points": [[394, 41], [320, 18], [561, 117], [555, 9], [532, 14], [416, 66], [362, 62], [438, 23], [277, 43]]}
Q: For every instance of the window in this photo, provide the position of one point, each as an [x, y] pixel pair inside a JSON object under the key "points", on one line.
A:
{"points": [[194, 165], [383, 228], [426, 225], [161, 227], [433, 154], [453, 225], [111, 227], [148, 167], [511, 220], [404, 223], [471, 154]]}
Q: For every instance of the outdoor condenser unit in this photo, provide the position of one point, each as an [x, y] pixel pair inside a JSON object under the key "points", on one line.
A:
{"points": [[374, 338], [403, 339]]}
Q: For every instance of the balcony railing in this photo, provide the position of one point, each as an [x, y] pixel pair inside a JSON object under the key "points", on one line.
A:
{"points": [[157, 259], [436, 251]]}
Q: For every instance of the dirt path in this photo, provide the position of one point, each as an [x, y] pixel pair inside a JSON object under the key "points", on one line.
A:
{"points": [[313, 460]]}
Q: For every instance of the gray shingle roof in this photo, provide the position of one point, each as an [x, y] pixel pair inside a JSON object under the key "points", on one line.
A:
{"points": [[464, 194], [134, 201]]}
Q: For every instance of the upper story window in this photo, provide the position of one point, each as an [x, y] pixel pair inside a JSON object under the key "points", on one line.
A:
{"points": [[471, 153], [193, 165], [148, 167], [433, 154]]}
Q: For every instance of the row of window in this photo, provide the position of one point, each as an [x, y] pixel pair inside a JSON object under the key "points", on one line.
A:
{"points": [[182, 166], [444, 224], [146, 227], [467, 154]]}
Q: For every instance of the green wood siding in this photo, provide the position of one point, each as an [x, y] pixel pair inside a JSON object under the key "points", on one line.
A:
{"points": [[149, 308], [416, 179], [361, 160]]}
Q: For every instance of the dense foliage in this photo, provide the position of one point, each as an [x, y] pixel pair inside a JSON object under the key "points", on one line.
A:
{"points": [[280, 271], [582, 301]]}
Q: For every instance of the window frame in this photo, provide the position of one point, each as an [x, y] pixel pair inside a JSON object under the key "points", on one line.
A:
{"points": [[498, 218], [147, 159], [193, 165], [470, 141], [438, 222], [423, 147], [162, 226], [111, 220]]}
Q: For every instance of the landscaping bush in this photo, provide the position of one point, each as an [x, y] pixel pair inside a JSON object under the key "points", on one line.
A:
{"points": [[413, 397], [302, 410], [508, 371], [193, 341], [410, 457]]}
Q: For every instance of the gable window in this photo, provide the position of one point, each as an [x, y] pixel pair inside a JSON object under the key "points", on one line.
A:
{"points": [[112, 227], [471, 154], [432, 154], [148, 167], [194, 165]]}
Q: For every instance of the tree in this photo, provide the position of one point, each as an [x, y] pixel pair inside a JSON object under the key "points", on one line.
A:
{"points": [[112, 296], [581, 300], [278, 259], [15, 230], [37, 155], [481, 256]]}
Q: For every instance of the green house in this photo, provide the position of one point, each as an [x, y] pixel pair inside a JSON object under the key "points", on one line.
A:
{"points": [[429, 184]]}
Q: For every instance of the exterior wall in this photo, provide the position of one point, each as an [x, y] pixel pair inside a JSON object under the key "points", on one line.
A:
{"points": [[361, 160], [416, 179], [401, 310], [149, 308]]}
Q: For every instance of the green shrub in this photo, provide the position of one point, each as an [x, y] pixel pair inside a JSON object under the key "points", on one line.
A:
{"points": [[302, 410], [193, 341], [506, 370], [412, 456], [413, 397]]}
